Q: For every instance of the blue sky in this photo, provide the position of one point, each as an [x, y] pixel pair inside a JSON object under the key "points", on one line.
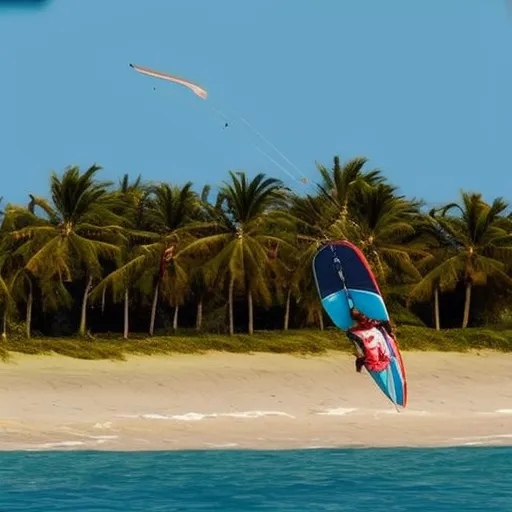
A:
{"points": [[422, 88]]}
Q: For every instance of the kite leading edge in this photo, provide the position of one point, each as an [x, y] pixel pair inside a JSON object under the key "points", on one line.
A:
{"points": [[164, 76]]}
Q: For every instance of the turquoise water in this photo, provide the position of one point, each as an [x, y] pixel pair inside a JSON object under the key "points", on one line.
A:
{"points": [[459, 479]]}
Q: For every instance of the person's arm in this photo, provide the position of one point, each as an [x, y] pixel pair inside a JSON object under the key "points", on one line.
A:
{"points": [[388, 327], [359, 364]]}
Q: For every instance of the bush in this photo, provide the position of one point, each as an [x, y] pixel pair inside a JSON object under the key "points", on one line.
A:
{"points": [[303, 341]]}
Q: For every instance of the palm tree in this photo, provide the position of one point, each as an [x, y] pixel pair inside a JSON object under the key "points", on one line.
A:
{"points": [[198, 286], [385, 230], [21, 288], [341, 185], [485, 245], [79, 229], [132, 200], [283, 267], [246, 215], [20, 281], [439, 248], [156, 268], [163, 242], [314, 227], [174, 216], [6, 302]]}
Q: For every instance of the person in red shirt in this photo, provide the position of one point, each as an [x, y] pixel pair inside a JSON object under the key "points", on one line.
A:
{"points": [[373, 351]]}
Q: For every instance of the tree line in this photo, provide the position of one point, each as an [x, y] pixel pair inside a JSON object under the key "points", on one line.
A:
{"points": [[139, 256]]}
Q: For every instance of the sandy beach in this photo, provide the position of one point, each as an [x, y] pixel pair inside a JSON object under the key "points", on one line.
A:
{"points": [[261, 401]]}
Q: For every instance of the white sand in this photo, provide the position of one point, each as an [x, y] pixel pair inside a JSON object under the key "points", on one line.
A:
{"points": [[250, 401]]}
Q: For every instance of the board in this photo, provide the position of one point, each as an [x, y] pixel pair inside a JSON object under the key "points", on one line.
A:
{"points": [[362, 289]]}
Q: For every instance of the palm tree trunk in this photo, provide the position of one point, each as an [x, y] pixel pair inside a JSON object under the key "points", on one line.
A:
{"points": [[28, 319], [230, 306], [251, 312], [4, 326], [287, 310], [153, 310], [83, 317], [436, 308], [467, 305], [344, 214], [126, 326], [175, 319], [321, 319], [199, 315], [103, 295]]}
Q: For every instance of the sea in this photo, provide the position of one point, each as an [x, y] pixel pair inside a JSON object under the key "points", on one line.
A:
{"points": [[360, 479]]}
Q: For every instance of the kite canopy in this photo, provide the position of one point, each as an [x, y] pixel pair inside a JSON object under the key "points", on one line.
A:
{"points": [[171, 78]]}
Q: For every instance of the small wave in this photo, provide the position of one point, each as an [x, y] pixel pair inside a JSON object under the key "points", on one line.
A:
{"points": [[196, 416], [105, 425], [256, 414], [482, 440], [318, 447], [341, 411], [406, 412], [75, 433], [102, 438], [487, 442], [497, 411], [59, 444], [189, 416], [91, 440], [221, 445]]}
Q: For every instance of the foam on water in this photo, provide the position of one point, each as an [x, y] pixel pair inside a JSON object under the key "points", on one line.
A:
{"points": [[221, 445], [196, 416], [76, 433], [343, 411], [106, 425], [340, 411], [488, 440], [492, 436], [87, 440], [318, 447], [495, 412], [58, 444], [336, 411], [256, 414]]}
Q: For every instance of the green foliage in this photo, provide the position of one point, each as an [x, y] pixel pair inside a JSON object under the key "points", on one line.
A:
{"points": [[139, 254], [299, 342], [454, 340]]}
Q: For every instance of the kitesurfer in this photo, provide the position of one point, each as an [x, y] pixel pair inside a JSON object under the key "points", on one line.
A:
{"points": [[367, 335]]}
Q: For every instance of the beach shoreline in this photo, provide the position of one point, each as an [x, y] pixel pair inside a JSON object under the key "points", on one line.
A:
{"points": [[220, 400]]}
